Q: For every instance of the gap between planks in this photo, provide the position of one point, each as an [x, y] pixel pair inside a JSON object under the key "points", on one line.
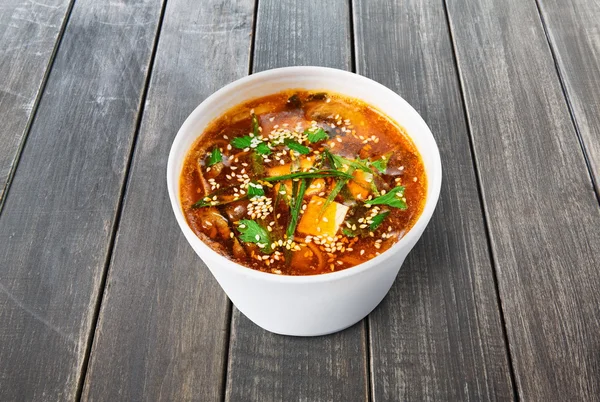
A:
{"points": [[36, 102], [509, 353], [569, 103], [229, 307], [117, 219]]}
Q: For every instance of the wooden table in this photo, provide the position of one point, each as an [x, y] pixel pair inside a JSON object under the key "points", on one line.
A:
{"points": [[101, 297]]}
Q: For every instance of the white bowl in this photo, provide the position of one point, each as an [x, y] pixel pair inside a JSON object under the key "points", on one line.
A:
{"points": [[317, 304]]}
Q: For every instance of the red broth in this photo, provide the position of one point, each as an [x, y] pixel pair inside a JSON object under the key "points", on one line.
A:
{"points": [[302, 183]]}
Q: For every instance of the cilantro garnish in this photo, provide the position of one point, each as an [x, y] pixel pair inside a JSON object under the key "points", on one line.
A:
{"points": [[252, 232], [241, 142], [393, 198], [255, 190], [381, 164], [296, 146], [318, 135], [377, 220], [215, 157], [263, 149]]}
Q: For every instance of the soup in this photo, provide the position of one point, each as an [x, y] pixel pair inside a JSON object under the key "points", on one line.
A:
{"points": [[302, 183]]}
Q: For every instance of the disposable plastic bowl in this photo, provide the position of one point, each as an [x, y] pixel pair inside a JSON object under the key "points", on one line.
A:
{"points": [[315, 304]]}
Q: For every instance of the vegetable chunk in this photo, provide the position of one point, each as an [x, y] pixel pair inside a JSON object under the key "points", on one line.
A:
{"points": [[319, 222]]}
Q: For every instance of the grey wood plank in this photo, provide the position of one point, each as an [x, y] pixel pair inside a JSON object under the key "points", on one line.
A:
{"points": [[164, 321], [540, 206], [57, 221], [29, 33], [264, 366], [574, 31], [438, 334]]}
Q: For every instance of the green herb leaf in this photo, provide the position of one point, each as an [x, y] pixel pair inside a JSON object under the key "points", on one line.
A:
{"points": [[318, 135], [252, 232], [393, 198], [317, 174], [296, 146], [263, 149], [215, 157], [381, 164], [241, 142], [255, 190], [378, 220], [348, 232]]}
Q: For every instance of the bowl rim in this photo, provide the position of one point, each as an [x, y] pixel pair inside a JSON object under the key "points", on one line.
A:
{"points": [[413, 234]]}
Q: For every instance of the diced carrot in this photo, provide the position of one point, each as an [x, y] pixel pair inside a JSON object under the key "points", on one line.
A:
{"points": [[359, 186]]}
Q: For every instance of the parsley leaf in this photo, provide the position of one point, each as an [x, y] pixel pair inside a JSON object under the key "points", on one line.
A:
{"points": [[263, 149], [255, 190], [215, 157], [318, 135], [393, 198], [295, 146], [252, 232], [377, 220], [381, 164], [242, 142]]}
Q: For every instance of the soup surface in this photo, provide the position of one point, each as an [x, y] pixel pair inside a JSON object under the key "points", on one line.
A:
{"points": [[302, 183]]}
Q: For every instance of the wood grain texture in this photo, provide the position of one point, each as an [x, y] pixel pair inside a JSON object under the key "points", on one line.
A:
{"points": [[302, 33], [163, 325], [540, 206], [437, 335], [29, 32], [574, 31], [264, 366], [57, 221]]}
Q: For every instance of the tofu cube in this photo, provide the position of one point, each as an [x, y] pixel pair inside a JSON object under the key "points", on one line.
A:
{"points": [[318, 222]]}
